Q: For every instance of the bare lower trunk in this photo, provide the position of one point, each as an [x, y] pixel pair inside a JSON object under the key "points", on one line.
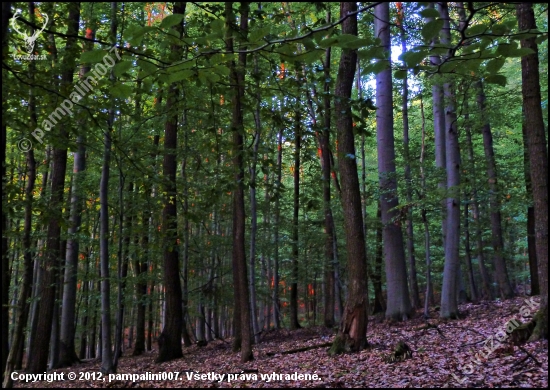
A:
{"points": [[353, 327], [398, 305], [538, 158]]}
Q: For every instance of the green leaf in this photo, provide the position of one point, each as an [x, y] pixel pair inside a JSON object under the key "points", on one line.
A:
{"points": [[217, 25], [400, 74], [138, 34], [121, 67], [147, 66], [375, 52], [476, 29], [121, 91], [413, 58], [309, 57], [494, 65], [93, 56], [376, 68], [429, 13], [171, 20], [259, 34], [328, 42], [222, 70], [524, 51], [431, 29], [504, 49], [496, 79], [179, 75], [500, 29]]}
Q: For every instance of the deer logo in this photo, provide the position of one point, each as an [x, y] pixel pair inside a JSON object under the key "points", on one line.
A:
{"points": [[29, 40]]}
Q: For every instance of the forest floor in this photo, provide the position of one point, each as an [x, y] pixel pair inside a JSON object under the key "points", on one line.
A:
{"points": [[457, 353]]}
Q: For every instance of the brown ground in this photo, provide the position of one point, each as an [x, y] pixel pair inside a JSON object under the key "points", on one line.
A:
{"points": [[438, 353]]}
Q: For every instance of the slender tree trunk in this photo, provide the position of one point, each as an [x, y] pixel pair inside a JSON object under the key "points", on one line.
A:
{"points": [[353, 327], [376, 276], [538, 158], [276, 223], [6, 10], [170, 338], [468, 256], [243, 336], [329, 220], [25, 290], [485, 280], [399, 305], [253, 209], [531, 244], [449, 298], [294, 324], [506, 290], [185, 294], [429, 289], [67, 354], [39, 350], [439, 129], [413, 282]]}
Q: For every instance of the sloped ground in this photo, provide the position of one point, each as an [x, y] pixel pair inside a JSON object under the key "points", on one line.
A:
{"points": [[458, 353]]}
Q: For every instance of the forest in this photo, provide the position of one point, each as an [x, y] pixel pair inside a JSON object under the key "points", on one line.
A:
{"points": [[263, 194]]}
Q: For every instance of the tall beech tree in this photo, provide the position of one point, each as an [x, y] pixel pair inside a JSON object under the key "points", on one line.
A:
{"points": [[496, 218], [243, 335], [538, 157], [40, 347], [449, 290], [352, 334], [413, 282], [170, 338], [398, 304]]}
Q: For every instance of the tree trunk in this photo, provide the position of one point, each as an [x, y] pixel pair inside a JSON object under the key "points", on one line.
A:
{"points": [[538, 158], [415, 297], [439, 129], [253, 209], [170, 338], [376, 276], [449, 298], [294, 324], [531, 244], [39, 349], [398, 305], [243, 334], [353, 327], [276, 223], [506, 290], [467, 252], [326, 167], [67, 354], [485, 280], [26, 283], [6, 10]]}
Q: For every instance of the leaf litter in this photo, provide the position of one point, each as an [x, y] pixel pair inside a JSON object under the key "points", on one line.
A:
{"points": [[457, 353]]}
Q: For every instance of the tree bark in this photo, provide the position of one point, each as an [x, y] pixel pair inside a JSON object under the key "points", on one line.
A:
{"points": [[243, 336], [294, 324], [170, 338], [398, 305], [40, 347], [67, 353], [415, 296], [449, 298], [538, 158], [353, 327], [506, 290]]}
